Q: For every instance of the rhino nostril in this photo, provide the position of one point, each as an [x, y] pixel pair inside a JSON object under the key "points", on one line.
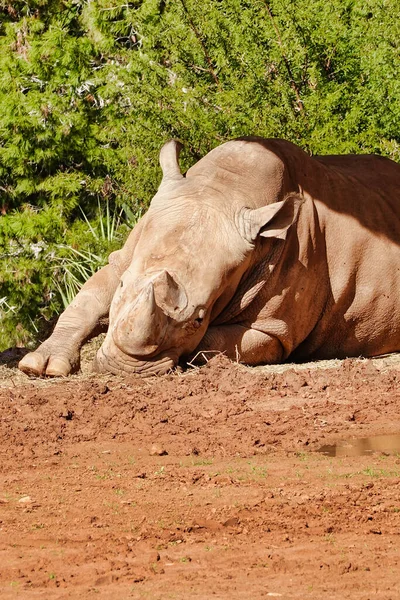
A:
{"points": [[198, 322]]}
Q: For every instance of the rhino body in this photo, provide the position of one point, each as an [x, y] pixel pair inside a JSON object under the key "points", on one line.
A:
{"points": [[260, 251]]}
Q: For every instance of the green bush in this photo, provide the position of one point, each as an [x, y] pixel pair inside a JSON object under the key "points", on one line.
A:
{"points": [[89, 91]]}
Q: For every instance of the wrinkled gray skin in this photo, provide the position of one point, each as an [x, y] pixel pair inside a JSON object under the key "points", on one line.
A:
{"points": [[260, 252]]}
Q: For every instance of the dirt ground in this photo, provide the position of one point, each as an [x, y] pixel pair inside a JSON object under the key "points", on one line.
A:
{"points": [[202, 484]]}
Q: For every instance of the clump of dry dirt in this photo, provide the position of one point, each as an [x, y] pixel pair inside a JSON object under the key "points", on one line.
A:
{"points": [[199, 484]]}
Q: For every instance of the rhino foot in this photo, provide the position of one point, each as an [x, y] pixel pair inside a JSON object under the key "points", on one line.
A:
{"points": [[40, 363]]}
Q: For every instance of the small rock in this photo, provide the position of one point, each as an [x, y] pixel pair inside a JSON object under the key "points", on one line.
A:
{"points": [[153, 557], [157, 450], [329, 529], [232, 522], [25, 500], [207, 524], [105, 579], [222, 480]]}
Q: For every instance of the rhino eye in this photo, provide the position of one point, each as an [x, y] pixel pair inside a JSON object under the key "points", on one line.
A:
{"points": [[121, 284]]}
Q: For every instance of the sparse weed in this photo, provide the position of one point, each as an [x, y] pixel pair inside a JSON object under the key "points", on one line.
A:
{"points": [[185, 559], [202, 462], [370, 472], [258, 472], [303, 456]]}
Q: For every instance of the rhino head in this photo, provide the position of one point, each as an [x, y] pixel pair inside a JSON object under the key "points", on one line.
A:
{"points": [[196, 242]]}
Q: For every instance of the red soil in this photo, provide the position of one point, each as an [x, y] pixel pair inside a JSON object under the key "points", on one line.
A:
{"points": [[199, 485]]}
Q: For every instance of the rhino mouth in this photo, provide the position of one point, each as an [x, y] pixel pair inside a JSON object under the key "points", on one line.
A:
{"points": [[120, 363]]}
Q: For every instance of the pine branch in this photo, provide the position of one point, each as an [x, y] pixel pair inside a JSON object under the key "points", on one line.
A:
{"points": [[203, 46], [293, 83]]}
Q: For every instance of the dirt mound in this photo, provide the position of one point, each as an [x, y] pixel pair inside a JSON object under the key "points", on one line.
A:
{"points": [[199, 484]]}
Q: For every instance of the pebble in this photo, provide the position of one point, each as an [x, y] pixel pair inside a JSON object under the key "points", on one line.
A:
{"points": [[153, 557], [25, 500], [207, 524], [231, 522], [157, 450]]}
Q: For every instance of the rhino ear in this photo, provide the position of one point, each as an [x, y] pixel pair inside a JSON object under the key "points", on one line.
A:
{"points": [[274, 220]]}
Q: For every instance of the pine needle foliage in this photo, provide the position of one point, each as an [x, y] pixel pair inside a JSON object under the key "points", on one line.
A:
{"points": [[90, 89]]}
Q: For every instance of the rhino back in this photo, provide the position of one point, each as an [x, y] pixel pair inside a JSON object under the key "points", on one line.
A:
{"points": [[334, 290]]}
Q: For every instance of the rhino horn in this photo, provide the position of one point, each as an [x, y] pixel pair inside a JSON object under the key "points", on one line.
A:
{"points": [[169, 162], [171, 297], [140, 330]]}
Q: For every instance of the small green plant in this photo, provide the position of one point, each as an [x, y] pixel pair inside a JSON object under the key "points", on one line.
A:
{"points": [[73, 267], [258, 472], [303, 456], [115, 507], [371, 472], [107, 223], [72, 271], [185, 559], [330, 538]]}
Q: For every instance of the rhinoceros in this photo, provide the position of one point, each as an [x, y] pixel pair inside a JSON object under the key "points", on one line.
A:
{"points": [[260, 252]]}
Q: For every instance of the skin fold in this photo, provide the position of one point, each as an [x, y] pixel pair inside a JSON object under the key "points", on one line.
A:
{"points": [[260, 252]]}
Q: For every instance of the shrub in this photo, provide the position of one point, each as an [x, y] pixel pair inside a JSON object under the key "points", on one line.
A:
{"points": [[90, 90]]}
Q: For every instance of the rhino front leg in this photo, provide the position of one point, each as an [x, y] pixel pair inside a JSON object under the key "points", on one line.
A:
{"points": [[59, 355], [242, 344]]}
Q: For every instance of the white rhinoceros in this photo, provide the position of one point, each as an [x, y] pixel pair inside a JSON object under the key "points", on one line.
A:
{"points": [[260, 252]]}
